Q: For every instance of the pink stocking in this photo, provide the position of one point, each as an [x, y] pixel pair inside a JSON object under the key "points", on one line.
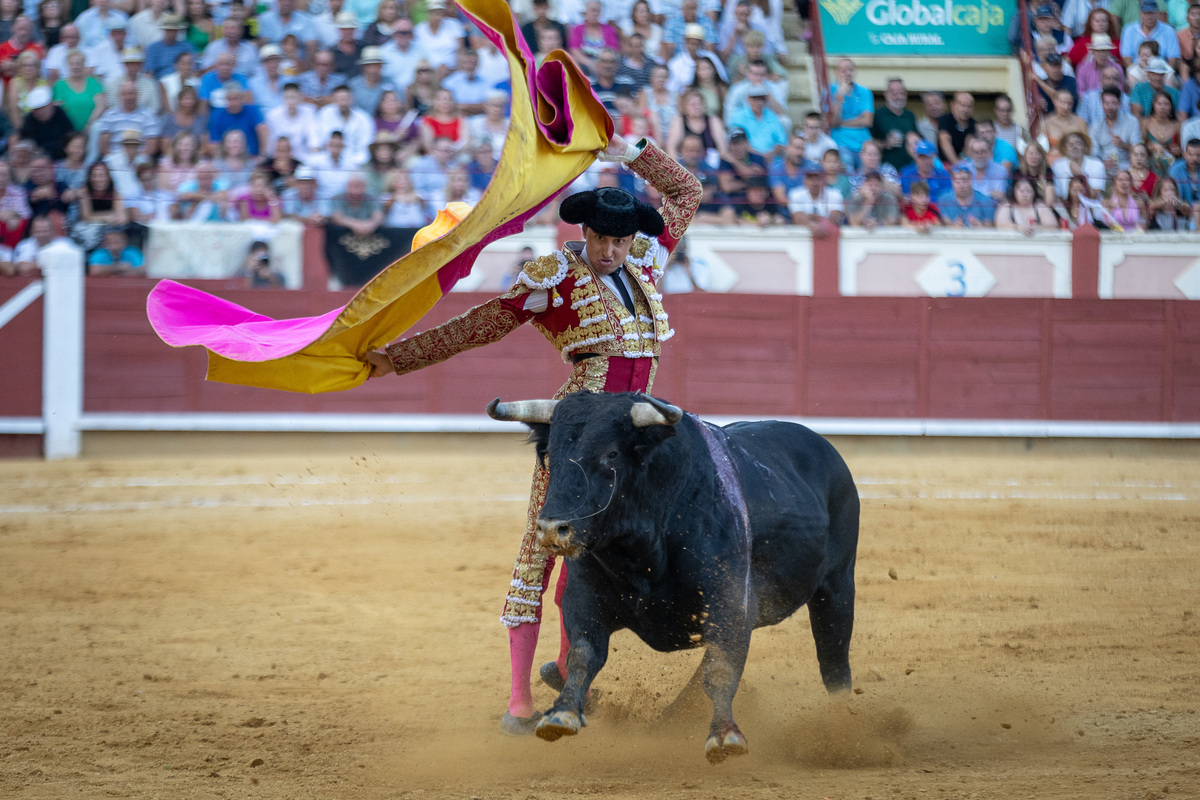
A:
{"points": [[564, 646], [522, 642]]}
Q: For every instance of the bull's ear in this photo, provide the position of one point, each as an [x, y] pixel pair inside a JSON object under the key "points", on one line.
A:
{"points": [[647, 440], [539, 437]]}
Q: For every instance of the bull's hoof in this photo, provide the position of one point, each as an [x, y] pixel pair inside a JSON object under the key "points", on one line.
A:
{"points": [[551, 676], [519, 726], [719, 748], [558, 724]]}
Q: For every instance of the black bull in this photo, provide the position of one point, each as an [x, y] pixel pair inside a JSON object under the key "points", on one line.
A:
{"points": [[690, 535]]}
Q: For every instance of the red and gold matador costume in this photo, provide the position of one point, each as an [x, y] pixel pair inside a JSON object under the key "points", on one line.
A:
{"points": [[612, 348]]}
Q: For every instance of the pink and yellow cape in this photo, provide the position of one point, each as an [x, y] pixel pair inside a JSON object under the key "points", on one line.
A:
{"points": [[556, 126]]}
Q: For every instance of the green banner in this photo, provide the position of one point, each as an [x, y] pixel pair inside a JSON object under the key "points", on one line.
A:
{"points": [[917, 27]]}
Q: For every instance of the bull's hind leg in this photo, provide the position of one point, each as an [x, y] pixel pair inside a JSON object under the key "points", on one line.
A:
{"points": [[831, 611]]}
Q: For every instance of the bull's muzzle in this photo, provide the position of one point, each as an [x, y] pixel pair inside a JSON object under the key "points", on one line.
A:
{"points": [[556, 536]]}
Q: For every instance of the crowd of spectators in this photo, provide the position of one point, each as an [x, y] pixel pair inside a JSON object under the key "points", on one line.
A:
{"points": [[369, 113]]}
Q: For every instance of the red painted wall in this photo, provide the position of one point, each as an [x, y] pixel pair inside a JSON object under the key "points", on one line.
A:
{"points": [[738, 355], [21, 356]]}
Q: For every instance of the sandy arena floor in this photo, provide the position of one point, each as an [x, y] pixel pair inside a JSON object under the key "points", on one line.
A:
{"points": [[323, 627]]}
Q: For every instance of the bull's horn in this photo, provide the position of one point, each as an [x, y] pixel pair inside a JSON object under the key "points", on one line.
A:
{"points": [[522, 410], [653, 411]]}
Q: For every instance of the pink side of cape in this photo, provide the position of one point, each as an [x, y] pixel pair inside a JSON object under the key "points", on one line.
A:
{"points": [[182, 315]]}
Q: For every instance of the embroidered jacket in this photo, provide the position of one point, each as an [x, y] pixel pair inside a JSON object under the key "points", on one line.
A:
{"points": [[583, 314]]}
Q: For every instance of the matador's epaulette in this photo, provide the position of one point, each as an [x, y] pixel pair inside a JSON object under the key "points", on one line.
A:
{"points": [[639, 247], [545, 273]]}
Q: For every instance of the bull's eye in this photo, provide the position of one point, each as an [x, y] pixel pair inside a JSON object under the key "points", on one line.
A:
{"points": [[611, 455]]}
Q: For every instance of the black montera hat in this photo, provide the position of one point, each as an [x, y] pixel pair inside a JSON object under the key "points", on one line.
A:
{"points": [[611, 212]]}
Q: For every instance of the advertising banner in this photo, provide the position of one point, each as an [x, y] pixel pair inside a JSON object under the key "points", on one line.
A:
{"points": [[917, 27]]}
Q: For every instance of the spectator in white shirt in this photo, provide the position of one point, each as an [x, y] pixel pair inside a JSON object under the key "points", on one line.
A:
{"points": [[440, 36], [814, 204], [95, 22], [332, 166], [54, 66], [357, 128], [104, 57], [144, 24], [295, 120], [24, 257], [401, 54], [683, 65]]}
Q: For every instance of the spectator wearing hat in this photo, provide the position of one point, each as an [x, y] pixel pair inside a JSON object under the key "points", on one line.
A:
{"points": [[46, 124], [104, 58], [1141, 97], [123, 159], [760, 207], [148, 94], [676, 29], [1149, 28], [285, 19], [963, 205], [368, 86], [851, 110], [872, 205], [239, 114], [401, 54], [303, 202], [738, 165], [765, 131], [682, 66], [161, 53], [1074, 161], [266, 87], [245, 53], [95, 23], [816, 204], [1047, 27], [470, 88], [892, 122], [440, 36], [1054, 81], [347, 49], [758, 76], [1115, 133], [1087, 74], [126, 115], [115, 256], [317, 84], [925, 168]]}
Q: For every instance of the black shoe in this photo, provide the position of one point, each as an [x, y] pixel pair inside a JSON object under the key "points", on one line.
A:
{"points": [[519, 726], [551, 676]]}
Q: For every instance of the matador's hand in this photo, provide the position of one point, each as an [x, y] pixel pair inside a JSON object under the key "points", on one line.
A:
{"points": [[380, 364]]}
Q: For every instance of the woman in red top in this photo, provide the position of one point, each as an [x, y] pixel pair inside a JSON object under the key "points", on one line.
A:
{"points": [[1139, 169], [444, 122], [1099, 21]]}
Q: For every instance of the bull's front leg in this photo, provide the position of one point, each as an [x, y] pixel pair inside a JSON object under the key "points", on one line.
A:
{"points": [[728, 643], [589, 637]]}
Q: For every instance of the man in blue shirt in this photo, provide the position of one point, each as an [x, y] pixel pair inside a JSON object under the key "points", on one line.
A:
{"points": [[965, 207], [766, 132], [161, 55], [1149, 27], [927, 169], [236, 115], [212, 85], [851, 110], [1186, 172]]}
